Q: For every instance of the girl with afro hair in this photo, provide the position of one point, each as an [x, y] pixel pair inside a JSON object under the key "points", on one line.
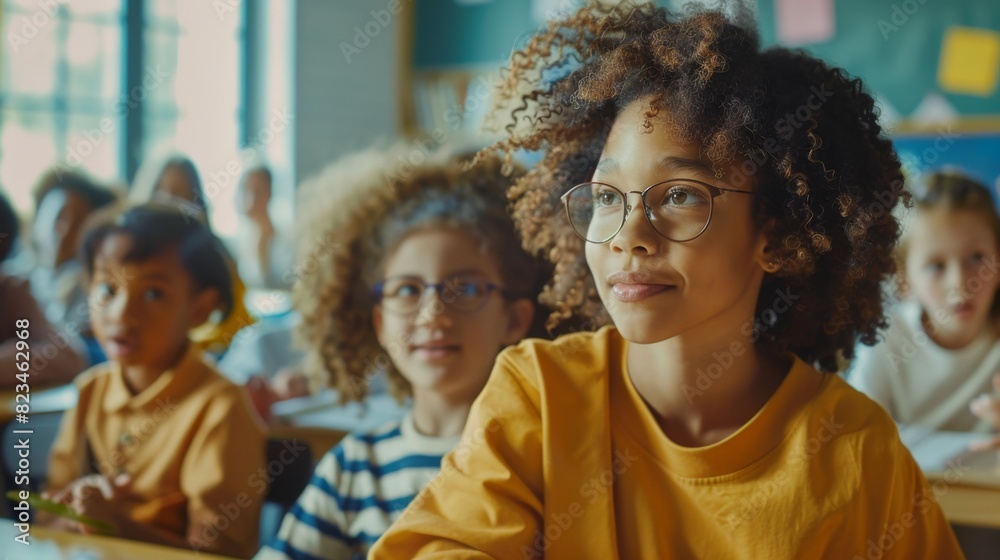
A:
{"points": [[724, 214], [415, 271]]}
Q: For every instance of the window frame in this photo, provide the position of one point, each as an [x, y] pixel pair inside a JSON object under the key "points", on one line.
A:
{"points": [[62, 105]]}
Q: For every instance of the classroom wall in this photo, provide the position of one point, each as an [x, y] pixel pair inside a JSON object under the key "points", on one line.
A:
{"points": [[894, 45], [339, 91], [906, 35], [350, 100], [900, 49], [976, 154]]}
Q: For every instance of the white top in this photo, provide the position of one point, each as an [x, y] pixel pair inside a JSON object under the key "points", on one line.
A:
{"points": [[262, 349], [62, 294], [919, 382], [280, 270], [358, 489]]}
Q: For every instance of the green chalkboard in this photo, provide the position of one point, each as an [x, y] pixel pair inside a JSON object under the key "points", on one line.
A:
{"points": [[895, 46], [475, 33], [455, 33]]}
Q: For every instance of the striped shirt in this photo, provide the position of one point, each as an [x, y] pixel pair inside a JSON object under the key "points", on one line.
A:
{"points": [[358, 489]]}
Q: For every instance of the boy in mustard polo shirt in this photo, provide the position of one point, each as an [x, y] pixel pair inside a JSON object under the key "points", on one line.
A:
{"points": [[160, 445]]}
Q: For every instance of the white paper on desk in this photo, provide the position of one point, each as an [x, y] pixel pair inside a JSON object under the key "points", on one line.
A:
{"points": [[322, 399], [933, 450], [323, 410], [947, 453]]}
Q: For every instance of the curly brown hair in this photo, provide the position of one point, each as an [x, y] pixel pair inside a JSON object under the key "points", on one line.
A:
{"points": [[806, 133], [354, 214]]}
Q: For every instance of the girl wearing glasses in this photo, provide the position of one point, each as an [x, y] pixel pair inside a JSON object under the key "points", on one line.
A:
{"points": [[725, 212], [428, 282]]}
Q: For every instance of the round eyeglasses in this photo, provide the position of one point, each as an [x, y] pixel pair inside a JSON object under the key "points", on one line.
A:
{"points": [[678, 209], [405, 294]]}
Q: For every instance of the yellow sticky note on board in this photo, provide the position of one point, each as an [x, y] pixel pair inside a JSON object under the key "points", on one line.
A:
{"points": [[970, 61]]}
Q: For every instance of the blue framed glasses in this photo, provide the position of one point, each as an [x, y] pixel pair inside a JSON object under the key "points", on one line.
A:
{"points": [[405, 294]]}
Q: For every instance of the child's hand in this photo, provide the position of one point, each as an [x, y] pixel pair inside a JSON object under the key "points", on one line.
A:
{"points": [[987, 407], [290, 383], [98, 497], [52, 520], [261, 396], [93, 496]]}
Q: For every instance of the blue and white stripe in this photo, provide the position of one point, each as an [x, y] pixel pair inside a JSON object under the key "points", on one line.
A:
{"points": [[357, 490]]}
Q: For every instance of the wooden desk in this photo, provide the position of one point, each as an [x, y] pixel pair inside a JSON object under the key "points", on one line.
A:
{"points": [[967, 485], [978, 506], [48, 544]]}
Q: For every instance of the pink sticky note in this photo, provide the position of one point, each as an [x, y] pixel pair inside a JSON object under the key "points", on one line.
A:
{"points": [[802, 22]]}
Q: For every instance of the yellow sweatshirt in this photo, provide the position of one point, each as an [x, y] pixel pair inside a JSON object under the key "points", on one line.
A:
{"points": [[562, 459]]}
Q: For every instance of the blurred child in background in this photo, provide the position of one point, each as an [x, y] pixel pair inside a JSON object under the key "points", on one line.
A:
{"points": [[176, 181], [264, 252], [172, 179], [939, 362], [65, 201], [54, 356], [159, 443], [428, 281]]}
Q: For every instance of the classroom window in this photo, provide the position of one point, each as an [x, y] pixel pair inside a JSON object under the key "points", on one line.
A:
{"points": [[66, 93], [60, 76]]}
